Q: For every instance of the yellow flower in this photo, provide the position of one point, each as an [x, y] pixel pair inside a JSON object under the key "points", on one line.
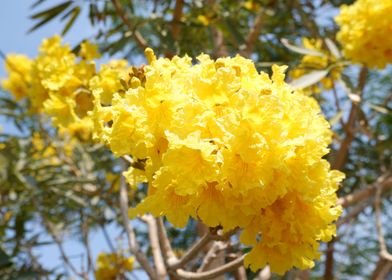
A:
{"points": [[19, 79], [220, 142], [89, 51], [109, 266], [251, 5], [203, 20], [108, 79], [311, 63], [365, 32], [57, 83]]}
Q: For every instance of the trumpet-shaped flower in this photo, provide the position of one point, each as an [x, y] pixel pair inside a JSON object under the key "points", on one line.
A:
{"points": [[365, 28], [220, 142]]}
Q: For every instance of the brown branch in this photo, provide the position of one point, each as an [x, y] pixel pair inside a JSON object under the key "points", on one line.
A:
{"points": [[176, 22], [132, 244], [59, 244], [352, 214], [341, 154], [240, 273], [107, 238], [384, 183], [155, 247], [166, 248], [254, 34], [211, 255], [340, 161], [381, 240], [233, 265], [140, 41], [192, 252], [86, 242], [382, 269]]}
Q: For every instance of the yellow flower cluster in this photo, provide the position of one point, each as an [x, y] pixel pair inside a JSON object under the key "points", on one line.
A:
{"points": [[311, 63], [220, 142], [60, 83], [109, 266], [18, 67], [365, 32]]}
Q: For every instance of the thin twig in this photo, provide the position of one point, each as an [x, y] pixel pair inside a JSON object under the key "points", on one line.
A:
{"points": [[211, 254], [341, 154], [155, 247], [352, 214], [86, 242], [140, 41], [59, 244], [166, 248], [107, 238], [384, 182], [132, 244], [233, 265], [381, 240], [192, 252], [341, 158]]}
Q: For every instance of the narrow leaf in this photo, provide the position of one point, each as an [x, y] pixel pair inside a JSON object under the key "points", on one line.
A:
{"points": [[37, 3], [378, 108], [70, 22], [333, 48], [300, 50], [334, 120], [53, 10], [309, 79]]}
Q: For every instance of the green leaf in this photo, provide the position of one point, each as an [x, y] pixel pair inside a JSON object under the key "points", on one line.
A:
{"points": [[309, 79], [5, 260], [301, 50], [74, 15], [52, 11], [41, 23], [36, 4], [48, 15], [92, 12]]}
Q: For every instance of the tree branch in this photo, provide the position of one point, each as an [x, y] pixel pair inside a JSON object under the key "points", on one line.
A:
{"points": [[352, 214], [140, 41], [382, 269], [192, 252], [211, 254], [381, 240], [166, 248], [176, 22], [132, 244], [107, 238], [341, 154], [340, 161], [59, 244], [384, 183], [155, 247], [233, 265], [254, 34]]}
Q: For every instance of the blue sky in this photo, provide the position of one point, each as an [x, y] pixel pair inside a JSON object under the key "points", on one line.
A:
{"points": [[14, 23]]}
